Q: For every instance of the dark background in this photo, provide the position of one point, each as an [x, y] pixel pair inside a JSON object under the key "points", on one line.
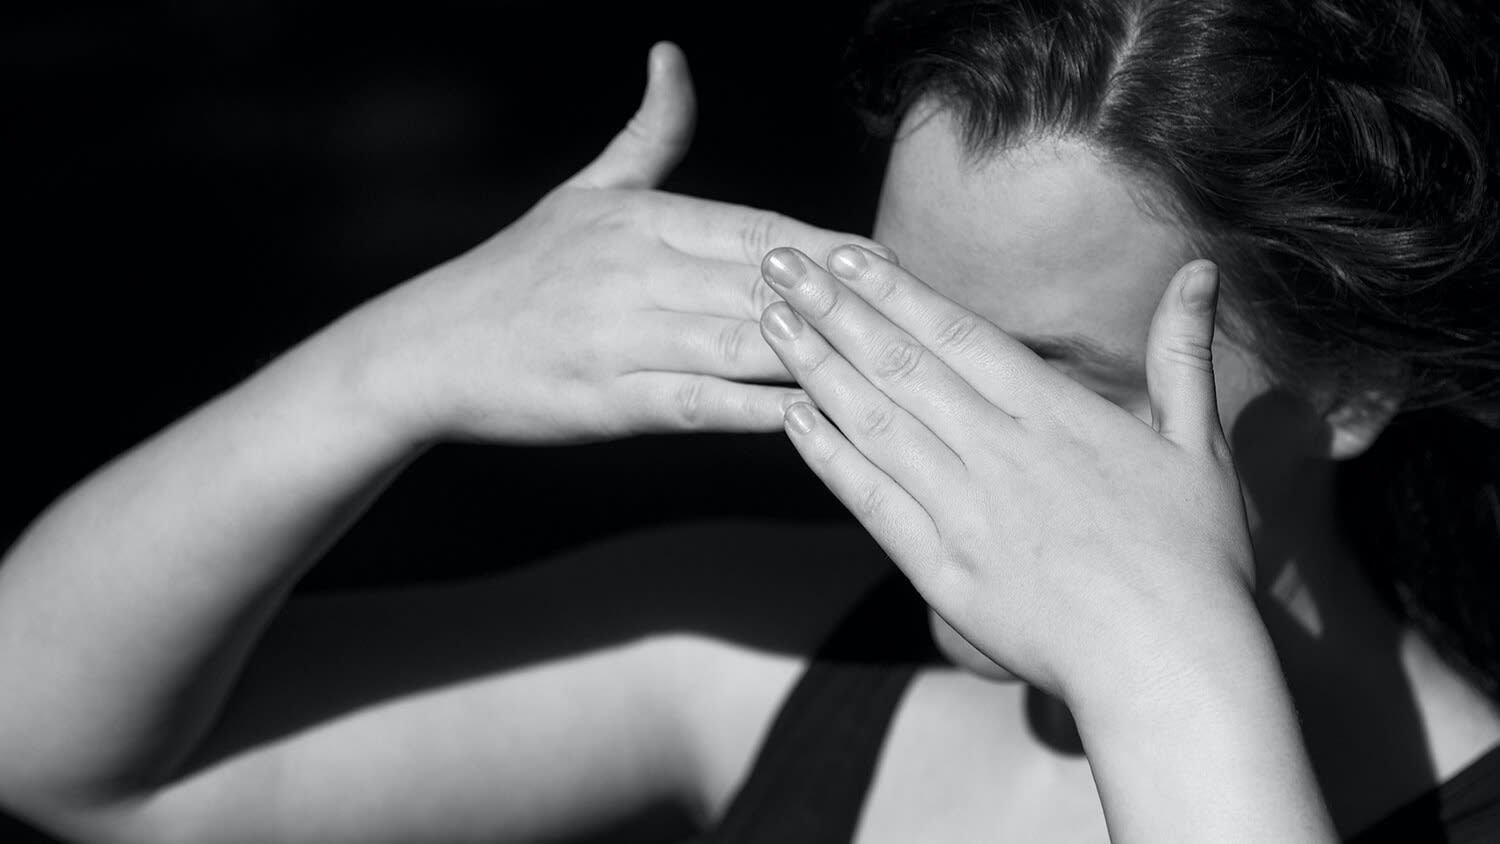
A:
{"points": [[193, 187]]}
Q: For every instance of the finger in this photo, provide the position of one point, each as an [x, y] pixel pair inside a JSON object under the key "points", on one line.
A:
{"points": [[895, 519], [668, 401], [657, 137], [742, 234], [695, 285], [1179, 359], [886, 433], [1001, 369], [692, 343], [888, 357]]}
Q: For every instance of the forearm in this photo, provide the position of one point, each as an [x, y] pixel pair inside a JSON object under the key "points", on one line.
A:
{"points": [[1214, 754], [127, 608]]}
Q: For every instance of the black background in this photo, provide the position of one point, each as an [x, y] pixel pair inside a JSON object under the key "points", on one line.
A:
{"points": [[193, 187]]}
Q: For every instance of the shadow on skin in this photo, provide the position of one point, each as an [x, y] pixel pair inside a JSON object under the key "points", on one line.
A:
{"points": [[1360, 720], [1359, 717], [775, 590], [779, 590], [327, 659]]}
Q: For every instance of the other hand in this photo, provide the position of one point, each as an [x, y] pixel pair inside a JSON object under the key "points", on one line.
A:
{"points": [[609, 309], [1064, 537]]}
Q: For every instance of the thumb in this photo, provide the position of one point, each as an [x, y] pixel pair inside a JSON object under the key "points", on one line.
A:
{"points": [[1179, 359], [657, 137]]}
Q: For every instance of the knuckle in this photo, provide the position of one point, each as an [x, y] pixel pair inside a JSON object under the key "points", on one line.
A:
{"points": [[955, 332], [824, 456], [823, 301], [761, 296], [881, 284], [815, 366], [758, 234], [1187, 352], [869, 501], [688, 402], [876, 422], [730, 344], [898, 360], [959, 537], [639, 129]]}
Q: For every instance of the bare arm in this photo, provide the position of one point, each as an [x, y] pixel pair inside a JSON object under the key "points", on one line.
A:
{"points": [[127, 611], [127, 608], [518, 708], [432, 714], [1202, 743]]}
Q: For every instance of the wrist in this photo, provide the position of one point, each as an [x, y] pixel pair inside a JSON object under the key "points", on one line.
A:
{"points": [[1204, 746], [341, 376], [1180, 672], [361, 374]]}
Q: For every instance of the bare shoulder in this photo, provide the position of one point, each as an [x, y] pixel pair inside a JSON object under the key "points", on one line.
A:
{"points": [[747, 603], [725, 614], [732, 610]]}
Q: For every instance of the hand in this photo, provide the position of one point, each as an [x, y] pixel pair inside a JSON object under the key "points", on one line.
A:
{"points": [[607, 310], [1062, 536]]}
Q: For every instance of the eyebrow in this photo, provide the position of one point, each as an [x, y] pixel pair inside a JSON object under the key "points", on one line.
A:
{"points": [[1082, 350]]}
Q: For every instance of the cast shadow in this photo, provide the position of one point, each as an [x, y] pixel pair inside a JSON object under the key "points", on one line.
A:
{"points": [[1378, 745], [773, 588]]}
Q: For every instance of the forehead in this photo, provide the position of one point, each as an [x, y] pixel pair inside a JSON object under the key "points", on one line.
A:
{"points": [[1045, 239]]}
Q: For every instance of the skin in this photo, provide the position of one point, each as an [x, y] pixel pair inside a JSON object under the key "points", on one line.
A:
{"points": [[120, 725], [1054, 246], [1048, 240], [608, 310], [1050, 245], [981, 470]]}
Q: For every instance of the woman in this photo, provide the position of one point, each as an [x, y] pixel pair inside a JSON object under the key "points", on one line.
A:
{"points": [[1052, 175]]}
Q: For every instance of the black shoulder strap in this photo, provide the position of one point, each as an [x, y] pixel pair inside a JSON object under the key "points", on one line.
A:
{"points": [[809, 781]]}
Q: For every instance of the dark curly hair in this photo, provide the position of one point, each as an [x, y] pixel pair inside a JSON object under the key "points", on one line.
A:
{"points": [[1337, 159]]}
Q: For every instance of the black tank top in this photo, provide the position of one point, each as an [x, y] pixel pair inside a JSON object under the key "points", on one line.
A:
{"points": [[809, 782]]}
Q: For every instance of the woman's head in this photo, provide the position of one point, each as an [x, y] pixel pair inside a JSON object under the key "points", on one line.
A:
{"points": [[1334, 158]]}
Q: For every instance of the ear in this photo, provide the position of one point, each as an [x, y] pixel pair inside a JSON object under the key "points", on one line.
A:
{"points": [[1354, 423]]}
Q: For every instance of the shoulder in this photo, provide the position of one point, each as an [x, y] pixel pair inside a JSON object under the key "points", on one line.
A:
{"points": [[624, 673], [743, 606]]}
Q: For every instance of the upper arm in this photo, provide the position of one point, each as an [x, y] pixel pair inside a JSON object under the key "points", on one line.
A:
{"points": [[317, 746], [547, 702]]}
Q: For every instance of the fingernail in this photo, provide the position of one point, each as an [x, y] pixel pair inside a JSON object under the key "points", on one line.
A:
{"points": [[800, 418], [847, 261], [1200, 288], [783, 268], [885, 253], [782, 321]]}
